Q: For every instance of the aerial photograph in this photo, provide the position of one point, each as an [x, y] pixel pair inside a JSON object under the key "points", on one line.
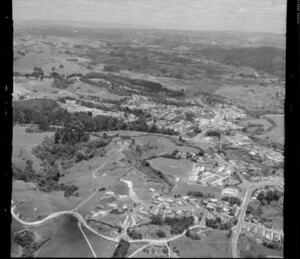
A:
{"points": [[148, 128]]}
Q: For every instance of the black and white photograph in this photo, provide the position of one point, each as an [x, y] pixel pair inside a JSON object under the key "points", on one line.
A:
{"points": [[148, 128]]}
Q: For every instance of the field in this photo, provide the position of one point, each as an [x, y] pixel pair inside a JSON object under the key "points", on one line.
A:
{"points": [[217, 246], [135, 246], [23, 143], [249, 248], [15, 248], [179, 168], [38, 203], [101, 246], [254, 97], [142, 185], [183, 188], [68, 241], [277, 134]]}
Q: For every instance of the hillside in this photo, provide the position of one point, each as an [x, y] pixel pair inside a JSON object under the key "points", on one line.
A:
{"points": [[268, 59]]}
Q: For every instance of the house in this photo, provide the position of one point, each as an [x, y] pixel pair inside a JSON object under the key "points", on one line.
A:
{"points": [[113, 205], [268, 235], [253, 230], [226, 209], [230, 192], [260, 232], [276, 236]]}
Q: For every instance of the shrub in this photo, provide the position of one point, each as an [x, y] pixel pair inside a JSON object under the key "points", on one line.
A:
{"points": [[122, 249], [161, 233], [213, 133]]}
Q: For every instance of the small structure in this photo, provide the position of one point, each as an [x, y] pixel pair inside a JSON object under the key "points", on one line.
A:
{"points": [[230, 192]]}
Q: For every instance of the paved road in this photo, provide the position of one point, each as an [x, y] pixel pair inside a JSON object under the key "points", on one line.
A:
{"points": [[57, 214], [237, 229]]}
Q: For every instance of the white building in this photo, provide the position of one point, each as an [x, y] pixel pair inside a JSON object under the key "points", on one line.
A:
{"points": [[230, 192]]}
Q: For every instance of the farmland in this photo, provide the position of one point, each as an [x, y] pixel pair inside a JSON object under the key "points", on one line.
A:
{"points": [[146, 143]]}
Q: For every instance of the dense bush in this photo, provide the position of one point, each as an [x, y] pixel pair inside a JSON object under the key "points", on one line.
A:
{"points": [[111, 68], [122, 249], [178, 225], [160, 233], [157, 220], [44, 111], [267, 198], [218, 224], [134, 234], [195, 194], [213, 133], [232, 200], [192, 235]]}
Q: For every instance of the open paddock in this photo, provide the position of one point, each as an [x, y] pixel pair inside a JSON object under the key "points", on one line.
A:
{"points": [[216, 245]]}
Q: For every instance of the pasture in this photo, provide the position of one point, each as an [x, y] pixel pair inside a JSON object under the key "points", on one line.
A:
{"points": [[102, 247], [277, 134], [216, 245], [180, 168], [68, 241]]}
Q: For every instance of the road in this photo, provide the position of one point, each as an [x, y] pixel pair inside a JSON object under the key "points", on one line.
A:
{"points": [[237, 229], [87, 240], [73, 211], [57, 214]]}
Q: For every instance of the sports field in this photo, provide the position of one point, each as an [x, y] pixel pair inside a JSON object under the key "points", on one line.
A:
{"points": [[180, 168]]}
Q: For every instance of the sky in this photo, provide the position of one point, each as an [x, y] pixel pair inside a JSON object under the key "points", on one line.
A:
{"points": [[208, 15]]}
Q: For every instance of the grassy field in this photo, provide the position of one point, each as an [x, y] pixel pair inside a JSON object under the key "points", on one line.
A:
{"points": [[253, 97], [182, 189], [217, 246], [248, 248], [135, 246], [180, 168], [101, 246], [68, 241], [277, 134], [45, 203], [23, 143], [15, 249]]}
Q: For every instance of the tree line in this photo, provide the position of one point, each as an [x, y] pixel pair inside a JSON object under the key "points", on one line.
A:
{"points": [[51, 114]]}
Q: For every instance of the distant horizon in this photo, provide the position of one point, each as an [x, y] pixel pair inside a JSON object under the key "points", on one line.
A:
{"points": [[102, 25], [262, 16]]}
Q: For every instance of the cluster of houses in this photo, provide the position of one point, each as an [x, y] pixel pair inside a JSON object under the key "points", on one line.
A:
{"points": [[263, 235], [266, 189], [208, 175], [221, 209]]}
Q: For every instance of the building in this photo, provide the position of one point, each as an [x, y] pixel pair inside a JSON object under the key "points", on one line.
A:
{"points": [[113, 205], [230, 192], [268, 235], [276, 236], [260, 232]]}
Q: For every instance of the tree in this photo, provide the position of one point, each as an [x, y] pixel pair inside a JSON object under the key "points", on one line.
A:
{"points": [[229, 233], [161, 233], [43, 124]]}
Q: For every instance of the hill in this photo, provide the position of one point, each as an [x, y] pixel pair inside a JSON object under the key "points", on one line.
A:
{"points": [[268, 59]]}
